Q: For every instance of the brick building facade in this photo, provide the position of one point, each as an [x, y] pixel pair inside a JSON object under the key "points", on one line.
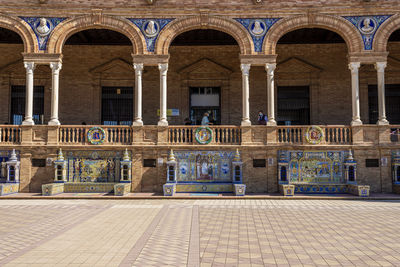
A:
{"points": [[328, 62]]}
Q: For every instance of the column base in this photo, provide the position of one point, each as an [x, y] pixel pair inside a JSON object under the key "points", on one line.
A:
{"points": [[28, 122], [356, 122], [162, 123], [137, 123], [54, 122], [382, 122], [271, 123], [246, 123]]}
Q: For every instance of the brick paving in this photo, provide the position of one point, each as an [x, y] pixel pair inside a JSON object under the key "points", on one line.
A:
{"points": [[199, 233]]}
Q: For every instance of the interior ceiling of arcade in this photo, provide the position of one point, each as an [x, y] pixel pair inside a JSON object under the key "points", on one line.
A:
{"points": [[197, 37]]}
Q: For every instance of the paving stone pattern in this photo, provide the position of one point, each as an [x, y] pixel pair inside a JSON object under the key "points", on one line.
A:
{"points": [[199, 233]]}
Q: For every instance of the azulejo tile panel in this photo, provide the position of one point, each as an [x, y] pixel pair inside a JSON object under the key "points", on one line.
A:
{"points": [[9, 188], [204, 166], [367, 26], [88, 187], [316, 167], [93, 166], [258, 28], [321, 189], [151, 28], [205, 187], [43, 27]]}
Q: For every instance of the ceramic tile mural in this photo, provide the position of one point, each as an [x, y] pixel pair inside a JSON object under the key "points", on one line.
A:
{"points": [[93, 166], [204, 166], [316, 166]]}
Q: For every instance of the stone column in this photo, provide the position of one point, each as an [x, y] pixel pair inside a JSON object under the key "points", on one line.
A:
{"points": [[30, 67], [271, 93], [355, 93], [55, 68], [138, 94], [380, 68], [163, 94], [245, 94]]}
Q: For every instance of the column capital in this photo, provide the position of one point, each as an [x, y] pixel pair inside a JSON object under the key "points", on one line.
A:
{"points": [[245, 68], [380, 66], [163, 67], [29, 66], [55, 66], [270, 67], [138, 67], [354, 66]]}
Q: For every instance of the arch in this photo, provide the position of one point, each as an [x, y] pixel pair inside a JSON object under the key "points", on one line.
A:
{"points": [[336, 24], [231, 27], [383, 33], [23, 30], [67, 28]]}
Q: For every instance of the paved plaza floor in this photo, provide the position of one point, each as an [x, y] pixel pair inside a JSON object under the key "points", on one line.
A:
{"points": [[199, 232]]}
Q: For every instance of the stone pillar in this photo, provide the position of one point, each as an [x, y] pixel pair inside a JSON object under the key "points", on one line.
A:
{"points": [[380, 68], [30, 67], [138, 94], [163, 94], [354, 67], [271, 93], [245, 94], [55, 68]]}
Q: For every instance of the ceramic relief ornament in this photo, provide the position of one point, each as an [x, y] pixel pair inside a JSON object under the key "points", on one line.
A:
{"points": [[150, 28], [42, 27], [367, 26], [258, 29]]}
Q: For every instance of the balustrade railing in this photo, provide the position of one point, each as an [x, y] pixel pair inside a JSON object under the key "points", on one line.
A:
{"points": [[10, 134], [78, 135], [185, 135], [297, 135], [338, 135]]}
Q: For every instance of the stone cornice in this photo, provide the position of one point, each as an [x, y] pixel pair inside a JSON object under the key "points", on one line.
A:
{"points": [[42, 58]]}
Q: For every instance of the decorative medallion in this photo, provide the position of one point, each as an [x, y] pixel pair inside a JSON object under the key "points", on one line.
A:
{"points": [[42, 27], [203, 135], [150, 28], [96, 135], [367, 26], [258, 29], [314, 135]]}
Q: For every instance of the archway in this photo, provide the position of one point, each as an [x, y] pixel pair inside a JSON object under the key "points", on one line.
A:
{"points": [[228, 26], [312, 78], [335, 24], [204, 75], [12, 70], [97, 79], [69, 27]]}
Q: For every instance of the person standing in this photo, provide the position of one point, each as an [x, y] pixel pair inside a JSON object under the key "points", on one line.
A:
{"points": [[262, 118], [204, 120]]}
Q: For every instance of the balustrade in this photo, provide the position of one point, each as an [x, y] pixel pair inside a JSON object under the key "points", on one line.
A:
{"points": [[10, 134], [118, 135], [297, 135], [185, 135]]}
